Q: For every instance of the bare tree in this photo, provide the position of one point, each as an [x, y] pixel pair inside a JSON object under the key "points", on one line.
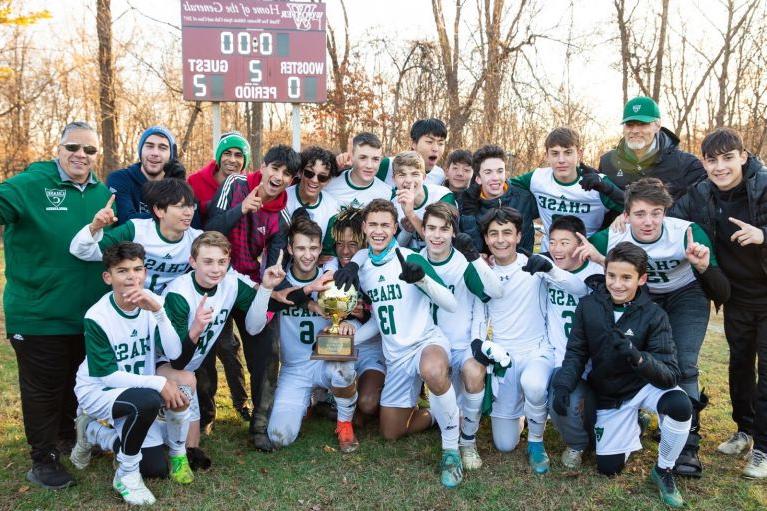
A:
{"points": [[339, 65], [108, 117]]}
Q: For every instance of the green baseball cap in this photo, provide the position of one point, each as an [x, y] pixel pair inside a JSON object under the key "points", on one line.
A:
{"points": [[642, 109]]}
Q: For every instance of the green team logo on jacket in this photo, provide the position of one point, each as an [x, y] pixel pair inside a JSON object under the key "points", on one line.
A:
{"points": [[598, 432], [56, 198], [563, 205]]}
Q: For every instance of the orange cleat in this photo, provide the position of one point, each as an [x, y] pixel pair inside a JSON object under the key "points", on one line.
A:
{"points": [[347, 442]]}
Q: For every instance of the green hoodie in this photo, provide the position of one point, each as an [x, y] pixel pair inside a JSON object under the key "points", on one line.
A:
{"points": [[47, 289]]}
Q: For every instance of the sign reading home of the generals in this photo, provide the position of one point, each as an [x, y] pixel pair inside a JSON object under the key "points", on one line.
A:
{"points": [[254, 50]]}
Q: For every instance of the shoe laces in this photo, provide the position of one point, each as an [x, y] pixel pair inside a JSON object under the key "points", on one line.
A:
{"points": [[758, 457], [450, 459], [345, 431]]}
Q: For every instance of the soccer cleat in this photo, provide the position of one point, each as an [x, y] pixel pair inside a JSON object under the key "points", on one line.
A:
{"points": [[197, 458], [664, 480], [756, 468], [81, 452], [537, 457], [132, 489], [739, 444], [571, 458], [451, 469], [50, 473], [470, 457], [347, 442], [180, 471]]}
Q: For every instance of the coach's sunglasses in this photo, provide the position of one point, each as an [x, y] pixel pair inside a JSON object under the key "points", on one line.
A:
{"points": [[87, 149], [308, 174]]}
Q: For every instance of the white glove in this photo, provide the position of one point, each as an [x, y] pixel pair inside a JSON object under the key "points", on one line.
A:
{"points": [[496, 353]]}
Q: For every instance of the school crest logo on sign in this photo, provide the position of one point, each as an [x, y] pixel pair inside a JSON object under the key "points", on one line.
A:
{"points": [[56, 197], [636, 108]]}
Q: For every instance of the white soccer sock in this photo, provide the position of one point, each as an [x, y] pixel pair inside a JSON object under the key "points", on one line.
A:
{"points": [[127, 463], [673, 435], [101, 435], [445, 409], [346, 406], [472, 413], [177, 424], [536, 420]]}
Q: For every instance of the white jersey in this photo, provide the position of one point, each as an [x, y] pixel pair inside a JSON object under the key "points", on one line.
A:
{"points": [[432, 193], [323, 212], [165, 260], [299, 327], [561, 311], [667, 266], [462, 279], [117, 341], [555, 199], [385, 173], [402, 311], [182, 297], [347, 194]]}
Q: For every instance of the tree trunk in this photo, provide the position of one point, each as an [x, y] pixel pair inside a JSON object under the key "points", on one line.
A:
{"points": [[107, 85], [657, 79], [255, 131]]}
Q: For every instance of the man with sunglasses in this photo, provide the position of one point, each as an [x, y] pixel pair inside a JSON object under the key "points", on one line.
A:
{"points": [[48, 290], [318, 165]]}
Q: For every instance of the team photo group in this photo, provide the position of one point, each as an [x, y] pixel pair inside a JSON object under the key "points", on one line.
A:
{"points": [[571, 295]]}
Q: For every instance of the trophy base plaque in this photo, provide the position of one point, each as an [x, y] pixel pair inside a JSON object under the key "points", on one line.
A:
{"points": [[335, 347]]}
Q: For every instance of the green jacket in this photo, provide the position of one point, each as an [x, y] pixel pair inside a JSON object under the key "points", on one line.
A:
{"points": [[47, 289]]}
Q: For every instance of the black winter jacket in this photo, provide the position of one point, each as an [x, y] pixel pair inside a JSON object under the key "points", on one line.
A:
{"points": [[613, 379], [677, 169]]}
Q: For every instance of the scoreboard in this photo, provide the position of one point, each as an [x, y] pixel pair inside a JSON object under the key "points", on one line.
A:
{"points": [[254, 50]]}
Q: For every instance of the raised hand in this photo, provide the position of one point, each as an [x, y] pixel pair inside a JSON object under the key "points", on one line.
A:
{"points": [[252, 202], [747, 234], [103, 217], [142, 299], [536, 263], [411, 272], [464, 244], [344, 160], [406, 200], [590, 179], [274, 274], [698, 254], [347, 276], [587, 251], [203, 315]]}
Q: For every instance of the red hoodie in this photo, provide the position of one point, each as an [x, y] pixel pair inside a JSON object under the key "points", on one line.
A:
{"points": [[204, 184]]}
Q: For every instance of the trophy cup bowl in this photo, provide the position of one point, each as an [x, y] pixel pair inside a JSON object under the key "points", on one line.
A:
{"points": [[336, 304]]}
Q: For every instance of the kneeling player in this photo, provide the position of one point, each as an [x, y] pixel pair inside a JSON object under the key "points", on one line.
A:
{"points": [[116, 382], [415, 349], [457, 262], [628, 339], [298, 373]]}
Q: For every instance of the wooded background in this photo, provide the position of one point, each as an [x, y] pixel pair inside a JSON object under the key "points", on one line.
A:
{"points": [[479, 70]]}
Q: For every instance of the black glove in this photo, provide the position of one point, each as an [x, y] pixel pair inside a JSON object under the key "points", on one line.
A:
{"points": [[299, 213], [347, 276], [479, 356], [625, 347], [561, 401], [470, 204], [174, 169], [536, 263], [463, 243], [411, 272]]}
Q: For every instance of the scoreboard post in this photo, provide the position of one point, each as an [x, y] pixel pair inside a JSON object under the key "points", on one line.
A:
{"points": [[254, 50]]}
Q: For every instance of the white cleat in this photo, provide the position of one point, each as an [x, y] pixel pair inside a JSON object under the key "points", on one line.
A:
{"points": [[470, 457], [739, 444], [132, 489], [756, 468], [81, 452], [571, 458]]}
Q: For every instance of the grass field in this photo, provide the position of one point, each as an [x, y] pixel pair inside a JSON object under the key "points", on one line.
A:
{"points": [[312, 475]]}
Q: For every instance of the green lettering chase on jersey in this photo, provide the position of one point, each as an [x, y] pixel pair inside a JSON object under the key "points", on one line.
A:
{"points": [[563, 205]]}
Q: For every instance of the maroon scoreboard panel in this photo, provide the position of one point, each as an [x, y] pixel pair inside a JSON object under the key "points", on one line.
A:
{"points": [[254, 50]]}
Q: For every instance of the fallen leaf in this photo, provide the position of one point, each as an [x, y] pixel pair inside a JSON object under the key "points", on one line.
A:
{"points": [[23, 489], [327, 448], [264, 471]]}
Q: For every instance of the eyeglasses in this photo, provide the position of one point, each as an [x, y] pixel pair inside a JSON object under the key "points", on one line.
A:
{"points": [[322, 178], [87, 149], [192, 207]]}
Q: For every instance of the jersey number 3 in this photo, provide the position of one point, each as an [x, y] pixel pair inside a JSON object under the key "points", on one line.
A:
{"points": [[386, 319]]}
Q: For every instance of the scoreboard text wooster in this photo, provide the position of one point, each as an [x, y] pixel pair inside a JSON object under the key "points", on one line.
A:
{"points": [[256, 50]]}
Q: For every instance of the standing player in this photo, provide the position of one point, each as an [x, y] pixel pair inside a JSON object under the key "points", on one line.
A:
{"points": [[682, 271], [458, 174], [574, 428], [627, 337], [117, 380], [427, 138], [298, 373], [167, 237], [200, 302], [519, 326], [568, 187], [318, 166], [412, 196], [357, 186], [469, 278], [416, 350]]}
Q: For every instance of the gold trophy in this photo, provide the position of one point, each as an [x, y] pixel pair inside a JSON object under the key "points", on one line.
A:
{"points": [[331, 345]]}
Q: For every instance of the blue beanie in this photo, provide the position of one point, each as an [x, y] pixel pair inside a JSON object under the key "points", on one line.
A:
{"points": [[163, 132]]}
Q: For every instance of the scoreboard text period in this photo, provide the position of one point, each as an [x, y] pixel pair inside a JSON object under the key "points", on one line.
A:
{"points": [[254, 50]]}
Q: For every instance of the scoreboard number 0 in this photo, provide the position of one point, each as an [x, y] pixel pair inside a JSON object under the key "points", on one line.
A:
{"points": [[262, 43], [294, 87]]}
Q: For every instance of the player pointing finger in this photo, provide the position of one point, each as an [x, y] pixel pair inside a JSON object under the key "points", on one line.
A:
{"points": [[103, 217], [697, 253], [747, 234]]}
